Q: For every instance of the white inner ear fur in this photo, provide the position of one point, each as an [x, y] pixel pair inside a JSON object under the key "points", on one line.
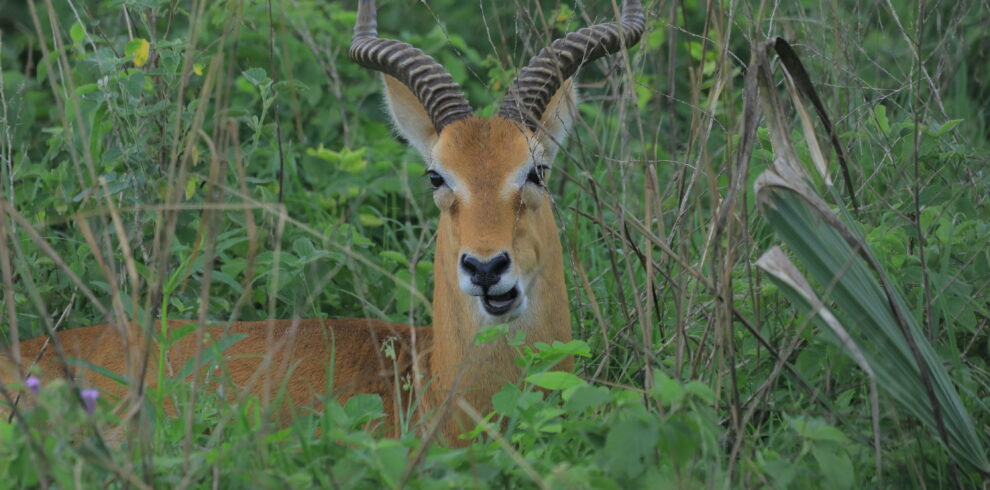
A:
{"points": [[558, 119], [409, 117]]}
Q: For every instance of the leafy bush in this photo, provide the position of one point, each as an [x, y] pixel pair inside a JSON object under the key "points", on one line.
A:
{"points": [[151, 152]]}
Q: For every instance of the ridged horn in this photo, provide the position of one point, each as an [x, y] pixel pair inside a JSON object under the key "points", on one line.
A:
{"points": [[429, 81], [540, 80]]}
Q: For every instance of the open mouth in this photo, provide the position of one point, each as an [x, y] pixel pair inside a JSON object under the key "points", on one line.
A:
{"points": [[500, 304]]}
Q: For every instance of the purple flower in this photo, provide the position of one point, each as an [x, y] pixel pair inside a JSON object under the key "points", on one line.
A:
{"points": [[89, 397], [33, 383]]}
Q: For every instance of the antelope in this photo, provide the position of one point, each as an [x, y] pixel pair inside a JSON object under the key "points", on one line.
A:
{"points": [[498, 257]]}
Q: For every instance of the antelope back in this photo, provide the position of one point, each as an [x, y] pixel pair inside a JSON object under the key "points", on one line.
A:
{"points": [[286, 360]]}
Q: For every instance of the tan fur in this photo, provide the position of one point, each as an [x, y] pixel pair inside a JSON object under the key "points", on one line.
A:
{"points": [[480, 217], [483, 154], [369, 355]]}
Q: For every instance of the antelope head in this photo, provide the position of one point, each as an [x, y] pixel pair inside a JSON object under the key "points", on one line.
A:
{"points": [[498, 249]]}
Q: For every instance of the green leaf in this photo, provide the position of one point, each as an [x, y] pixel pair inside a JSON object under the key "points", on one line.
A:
{"points": [[583, 397], [555, 380], [397, 257], [700, 390], [191, 186], [834, 465], [370, 220], [880, 113], [89, 366], [489, 333], [77, 33], [391, 459], [138, 50], [364, 406], [666, 389], [572, 348], [511, 398], [256, 76], [947, 126], [829, 433], [629, 445]]}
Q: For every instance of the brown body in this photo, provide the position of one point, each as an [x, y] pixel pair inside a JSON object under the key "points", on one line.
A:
{"points": [[294, 355], [498, 255]]}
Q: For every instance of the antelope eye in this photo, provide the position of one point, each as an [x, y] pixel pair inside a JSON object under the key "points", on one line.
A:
{"points": [[436, 180], [537, 175]]}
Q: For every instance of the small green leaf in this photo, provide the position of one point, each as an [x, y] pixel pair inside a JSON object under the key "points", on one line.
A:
{"points": [[394, 256], [880, 112], [518, 339], [583, 397], [370, 220], [665, 389], [700, 390], [947, 126], [555, 380], [478, 429], [489, 333], [77, 33], [191, 187], [138, 50], [256, 76], [572, 348]]}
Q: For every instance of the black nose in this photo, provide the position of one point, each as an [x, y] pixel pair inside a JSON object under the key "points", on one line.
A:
{"points": [[486, 274]]}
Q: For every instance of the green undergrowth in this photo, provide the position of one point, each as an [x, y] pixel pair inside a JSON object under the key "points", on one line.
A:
{"points": [[225, 160]]}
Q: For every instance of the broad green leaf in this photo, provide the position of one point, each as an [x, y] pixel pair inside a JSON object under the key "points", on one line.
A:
{"points": [[629, 446], [364, 406], [835, 466]]}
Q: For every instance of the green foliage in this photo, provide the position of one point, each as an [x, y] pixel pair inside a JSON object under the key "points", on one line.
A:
{"points": [[163, 155]]}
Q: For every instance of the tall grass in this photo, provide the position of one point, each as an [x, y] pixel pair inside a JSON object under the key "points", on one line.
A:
{"points": [[245, 170]]}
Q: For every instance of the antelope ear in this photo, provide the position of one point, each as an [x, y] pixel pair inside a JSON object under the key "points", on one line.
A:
{"points": [[558, 119], [410, 117]]}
